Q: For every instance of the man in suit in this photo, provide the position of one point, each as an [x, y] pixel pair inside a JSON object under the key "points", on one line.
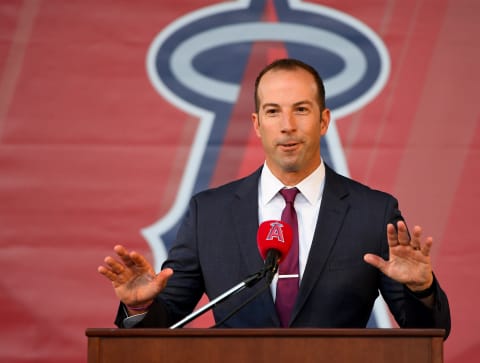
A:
{"points": [[352, 240]]}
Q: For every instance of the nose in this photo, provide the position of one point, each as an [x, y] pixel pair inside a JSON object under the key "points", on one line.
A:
{"points": [[289, 123]]}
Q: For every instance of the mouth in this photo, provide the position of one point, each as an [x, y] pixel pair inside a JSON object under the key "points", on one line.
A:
{"points": [[288, 146]]}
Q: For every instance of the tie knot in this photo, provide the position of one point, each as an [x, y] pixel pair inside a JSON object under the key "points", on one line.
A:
{"points": [[289, 194]]}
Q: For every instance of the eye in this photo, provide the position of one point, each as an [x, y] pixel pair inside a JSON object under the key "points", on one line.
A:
{"points": [[271, 111], [302, 109]]}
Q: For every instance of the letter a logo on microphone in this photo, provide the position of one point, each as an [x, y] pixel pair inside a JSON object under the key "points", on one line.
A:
{"points": [[276, 231]]}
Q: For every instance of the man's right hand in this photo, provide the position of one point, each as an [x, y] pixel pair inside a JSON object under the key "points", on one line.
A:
{"points": [[134, 279]]}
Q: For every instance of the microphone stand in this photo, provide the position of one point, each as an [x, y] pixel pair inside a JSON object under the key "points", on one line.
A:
{"points": [[269, 270]]}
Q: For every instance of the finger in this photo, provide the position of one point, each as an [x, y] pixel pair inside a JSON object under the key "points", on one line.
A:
{"points": [[107, 273], [123, 253], [402, 231], [375, 261], [163, 276], [140, 262], [114, 265], [392, 235], [416, 238], [427, 246]]}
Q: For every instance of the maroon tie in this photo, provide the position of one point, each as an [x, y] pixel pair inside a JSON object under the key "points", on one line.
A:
{"points": [[288, 277]]}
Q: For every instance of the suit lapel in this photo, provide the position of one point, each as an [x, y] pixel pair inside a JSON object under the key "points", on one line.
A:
{"points": [[333, 209], [245, 220], [244, 214]]}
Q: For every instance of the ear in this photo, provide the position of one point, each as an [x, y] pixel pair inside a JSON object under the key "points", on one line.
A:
{"points": [[324, 121], [256, 123]]}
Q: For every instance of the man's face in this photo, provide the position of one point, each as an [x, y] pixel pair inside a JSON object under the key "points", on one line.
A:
{"points": [[290, 123]]}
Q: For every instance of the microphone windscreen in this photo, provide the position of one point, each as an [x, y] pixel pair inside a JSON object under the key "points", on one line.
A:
{"points": [[275, 235]]}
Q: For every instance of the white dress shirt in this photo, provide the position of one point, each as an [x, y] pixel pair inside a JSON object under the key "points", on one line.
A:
{"points": [[307, 206]]}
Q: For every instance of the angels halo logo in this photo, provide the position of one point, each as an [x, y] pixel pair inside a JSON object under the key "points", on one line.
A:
{"points": [[201, 61]]}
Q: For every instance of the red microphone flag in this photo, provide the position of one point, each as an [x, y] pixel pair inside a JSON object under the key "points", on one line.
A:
{"points": [[276, 235]]}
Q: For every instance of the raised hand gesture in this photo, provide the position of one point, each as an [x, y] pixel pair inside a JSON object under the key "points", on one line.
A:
{"points": [[134, 279], [409, 261]]}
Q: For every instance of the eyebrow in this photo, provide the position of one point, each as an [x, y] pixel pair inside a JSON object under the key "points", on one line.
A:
{"points": [[303, 102], [271, 104]]}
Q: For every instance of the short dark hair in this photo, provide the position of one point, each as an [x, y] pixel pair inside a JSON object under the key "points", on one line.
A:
{"points": [[291, 64]]}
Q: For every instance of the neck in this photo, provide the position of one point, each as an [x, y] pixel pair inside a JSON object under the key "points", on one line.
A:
{"points": [[292, 178]]}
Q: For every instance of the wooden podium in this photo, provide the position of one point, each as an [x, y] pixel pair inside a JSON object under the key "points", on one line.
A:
{"points": [[265, 345]]}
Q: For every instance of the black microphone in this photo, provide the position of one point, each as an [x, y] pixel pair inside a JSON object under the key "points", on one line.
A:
{"points": [[274, 239]]}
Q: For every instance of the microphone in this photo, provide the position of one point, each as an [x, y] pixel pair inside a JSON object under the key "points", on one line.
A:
{"points": [[274, 239]]}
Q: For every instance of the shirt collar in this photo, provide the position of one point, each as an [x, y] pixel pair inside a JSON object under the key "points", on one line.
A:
{"points": [[311, 187]]}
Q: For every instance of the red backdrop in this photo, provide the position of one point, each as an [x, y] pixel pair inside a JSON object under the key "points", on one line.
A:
{"points": [[90, 154]]}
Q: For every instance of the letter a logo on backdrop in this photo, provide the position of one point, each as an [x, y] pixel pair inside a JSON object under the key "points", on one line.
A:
{"points": [[200, 62]]}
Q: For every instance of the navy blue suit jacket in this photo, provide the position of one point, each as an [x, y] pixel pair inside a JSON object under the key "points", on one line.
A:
{"points": [[216, 248]]}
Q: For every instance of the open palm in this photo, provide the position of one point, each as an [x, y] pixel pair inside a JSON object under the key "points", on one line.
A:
{"points": [[409, 259]]}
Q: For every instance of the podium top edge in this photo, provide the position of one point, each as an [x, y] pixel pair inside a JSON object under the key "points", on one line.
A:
{"points": [[292, 332]]}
